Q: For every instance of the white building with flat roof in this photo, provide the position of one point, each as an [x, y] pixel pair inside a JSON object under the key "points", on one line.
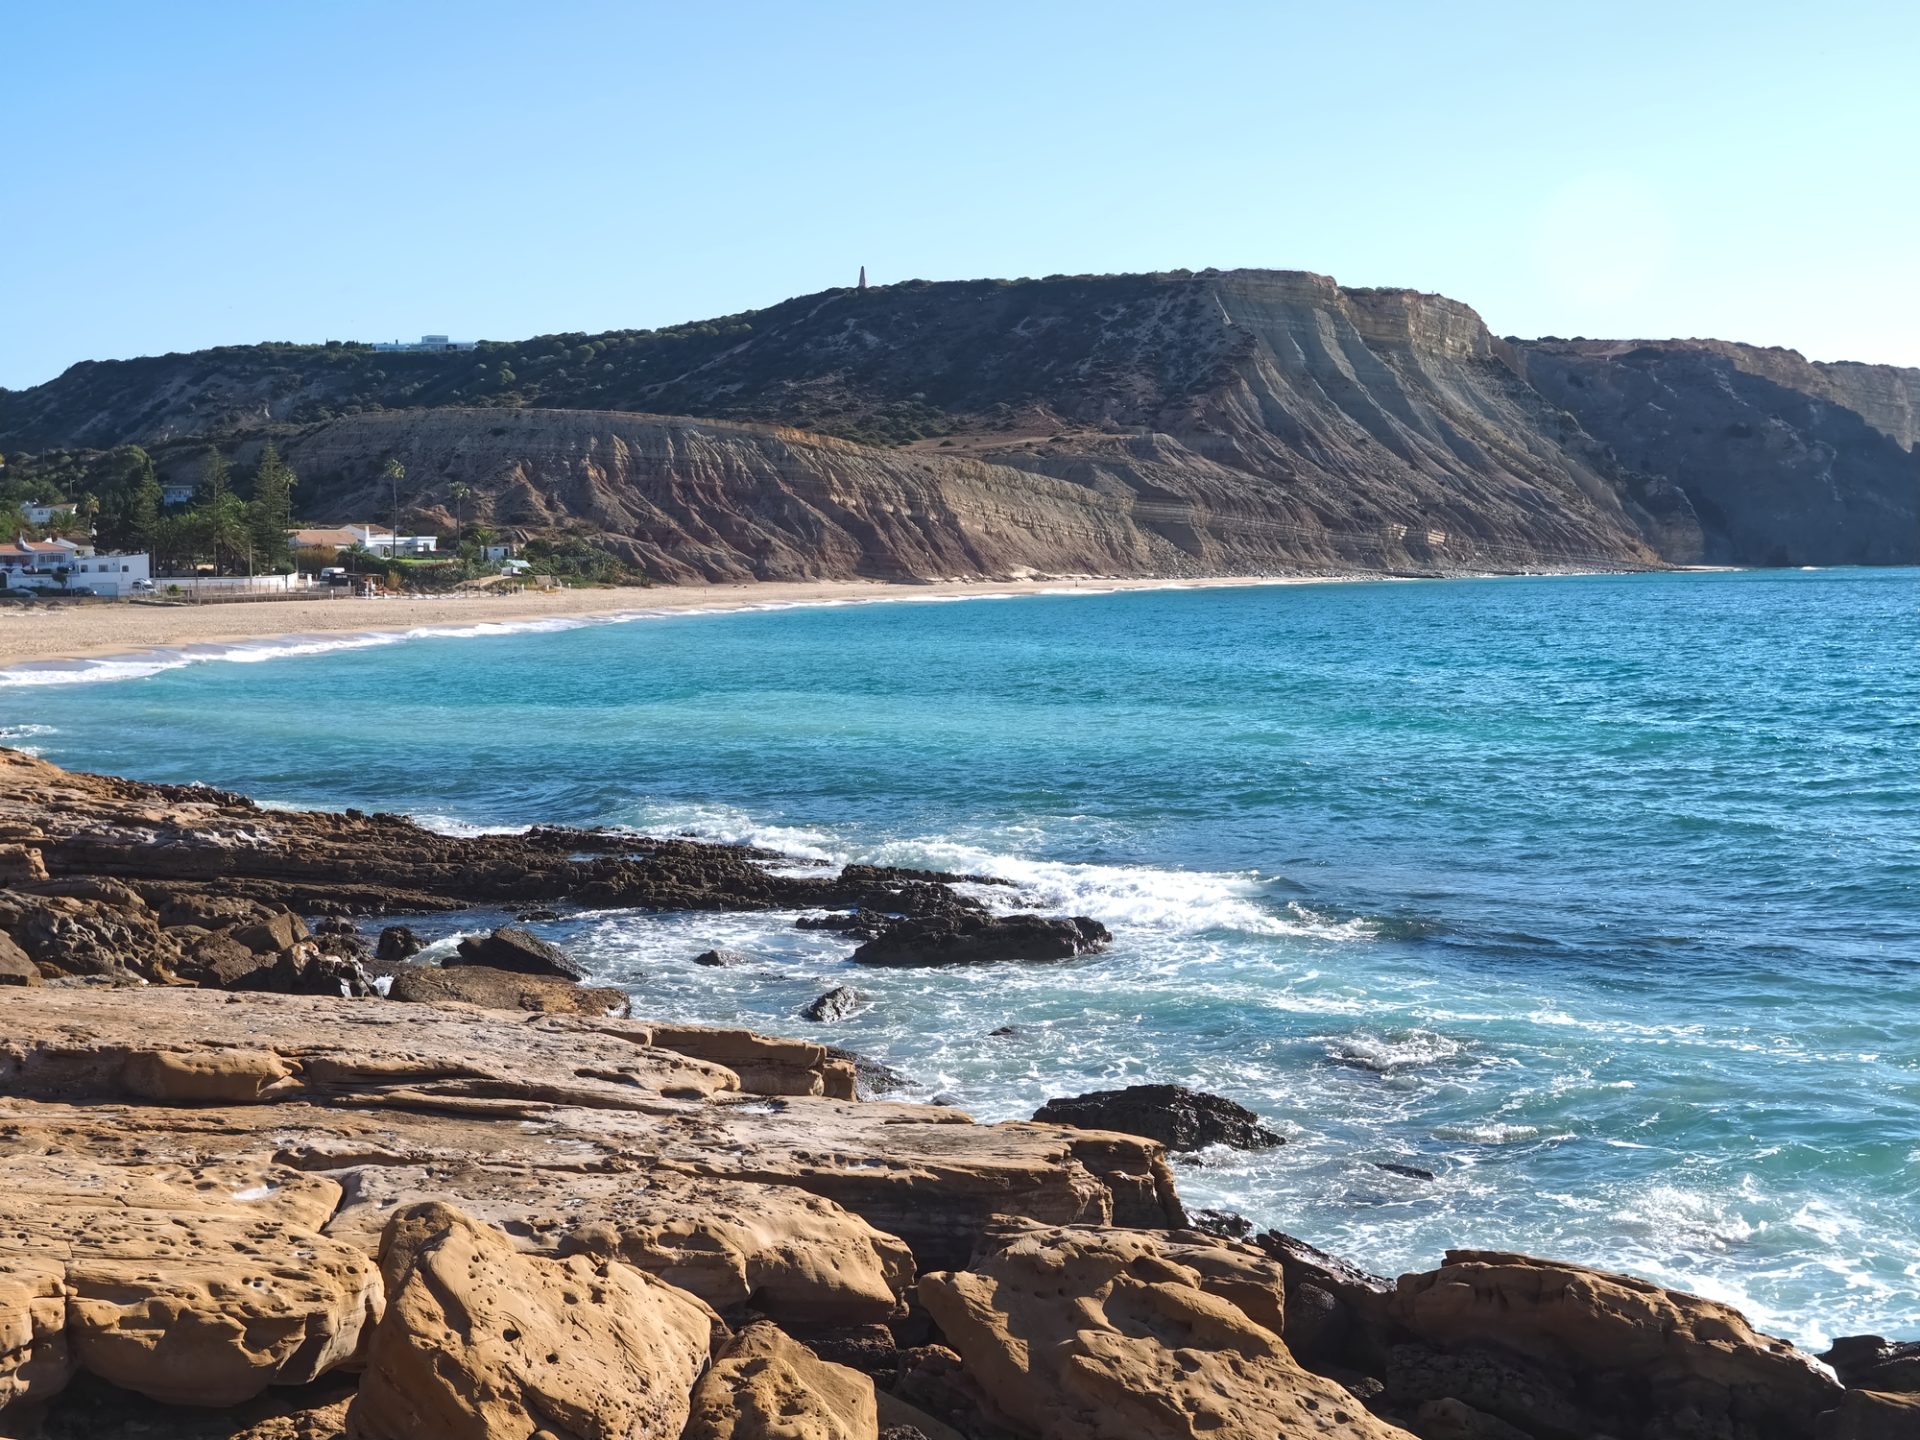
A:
{"points": [[425, 342], [71, 565]]}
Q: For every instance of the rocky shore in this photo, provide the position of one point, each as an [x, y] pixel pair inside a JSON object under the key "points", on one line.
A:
{"points": [[264, 1173]]}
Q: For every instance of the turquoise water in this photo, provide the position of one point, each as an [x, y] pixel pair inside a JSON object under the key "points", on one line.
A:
{"points": [[1598, 898]]}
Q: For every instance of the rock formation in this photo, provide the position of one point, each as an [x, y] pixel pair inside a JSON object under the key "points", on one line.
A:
{"points": [[334, 1214], [1179, 1118]]}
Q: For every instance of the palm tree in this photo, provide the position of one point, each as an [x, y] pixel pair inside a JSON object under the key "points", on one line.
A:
{"points": [[461, 494], [394, 472]]}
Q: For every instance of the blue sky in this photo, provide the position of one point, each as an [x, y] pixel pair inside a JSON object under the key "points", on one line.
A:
{"points": [[185, 175]]}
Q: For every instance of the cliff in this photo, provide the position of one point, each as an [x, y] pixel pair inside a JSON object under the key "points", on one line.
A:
{"points": [[1177, 423], [1783, 461]]}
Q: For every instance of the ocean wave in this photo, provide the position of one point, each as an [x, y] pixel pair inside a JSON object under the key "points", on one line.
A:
{"points": [[1401, 1050], [1139, 897]]}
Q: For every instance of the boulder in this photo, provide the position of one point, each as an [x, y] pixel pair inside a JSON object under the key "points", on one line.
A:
{"points": [[837, 1004], [273, 932], [970, 938], [397, 943], [770, 1249], [16, 966], [1688, 1355], [21, 864], [722, 958], [1179, 1118], [518, 950], [480, 1341], [1869, 1362], [1081, 1333], [504, 990], [198, 1286], [1872, 1415], [765, 1386]]}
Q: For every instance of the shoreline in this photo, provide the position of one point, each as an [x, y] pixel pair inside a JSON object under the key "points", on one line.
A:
{"points": [[237, 1092], [39, 641]]}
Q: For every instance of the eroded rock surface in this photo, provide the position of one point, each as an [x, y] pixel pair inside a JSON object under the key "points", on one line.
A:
{"points": [[766, 1386], [481, 1342]]}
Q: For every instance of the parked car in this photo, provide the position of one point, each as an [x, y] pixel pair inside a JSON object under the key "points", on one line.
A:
{"points": [[143, 585]]}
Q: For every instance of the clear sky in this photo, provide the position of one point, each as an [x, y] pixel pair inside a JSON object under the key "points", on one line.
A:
{"points": [[189, 174]]}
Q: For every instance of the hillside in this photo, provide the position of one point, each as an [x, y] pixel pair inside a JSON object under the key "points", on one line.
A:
{"points": [[1180, 423]]}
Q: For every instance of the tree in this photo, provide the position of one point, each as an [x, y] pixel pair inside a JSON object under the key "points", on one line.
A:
{"points": [[272, 509], [143, 503], [461, 494], [225, 527], [394, 472], [216, 478]]}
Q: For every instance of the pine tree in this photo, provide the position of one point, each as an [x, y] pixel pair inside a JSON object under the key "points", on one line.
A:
{"points": [[143, 503], [272, 511]]}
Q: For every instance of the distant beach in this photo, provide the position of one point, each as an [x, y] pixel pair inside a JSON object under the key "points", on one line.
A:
{"points": [[73, 632]]}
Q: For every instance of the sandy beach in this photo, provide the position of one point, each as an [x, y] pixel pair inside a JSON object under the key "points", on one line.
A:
{"points": [[72, 632]]}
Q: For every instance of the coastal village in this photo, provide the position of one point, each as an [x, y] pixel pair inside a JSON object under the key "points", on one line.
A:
{"points": [[56, 552]]}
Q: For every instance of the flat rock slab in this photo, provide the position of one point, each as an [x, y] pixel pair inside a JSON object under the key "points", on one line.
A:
{"points": [[188, 1287]]}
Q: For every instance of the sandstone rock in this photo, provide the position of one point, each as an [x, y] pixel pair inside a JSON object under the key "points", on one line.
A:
{"points": [[1079, 1332], [1179, 1118], [209, 1076], [1687, 1353], [272, 933], [397, 943], [188, 1288], [521, 951], [479, 1341], [765, 1386], [21, 863], [216, 959], [836, 1004], [973, 939], [504, 990], [377, 1083], [767, 1248], [16, 966]]}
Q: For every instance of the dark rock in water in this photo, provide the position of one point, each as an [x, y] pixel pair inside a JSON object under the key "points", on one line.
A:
{"points": [[870, 1076], [336, 925], [505, 990], [1003, 1032], [862, 924], [538, 913], [973, 939], [511, 948], [1869, 1362], [397, 943], [836, 1004], [1224, 1223], [1412, 1172], [1179, 1118], [723, 958]]}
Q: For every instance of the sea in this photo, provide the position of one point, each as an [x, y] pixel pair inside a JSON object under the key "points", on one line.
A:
{"points": [[1592, 904]]}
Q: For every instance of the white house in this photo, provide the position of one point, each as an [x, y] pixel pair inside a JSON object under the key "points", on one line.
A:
{"points": [[425, 342], [69, 564], [47, 512], [172, 493], [383, 542]]}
